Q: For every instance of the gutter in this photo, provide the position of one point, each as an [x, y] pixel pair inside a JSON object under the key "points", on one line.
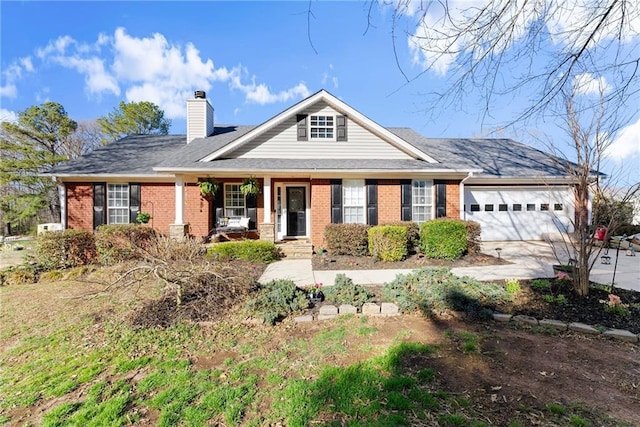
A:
{"points": [[461, 196]]}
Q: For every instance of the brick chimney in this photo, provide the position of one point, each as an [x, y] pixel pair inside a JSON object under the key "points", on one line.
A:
{"points": [[199, 116]]}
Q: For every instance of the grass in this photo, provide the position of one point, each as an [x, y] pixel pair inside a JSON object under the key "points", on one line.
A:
{"points": [[79, 359]]}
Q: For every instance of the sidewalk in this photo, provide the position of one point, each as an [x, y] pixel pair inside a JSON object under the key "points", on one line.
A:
{"points": [[530, 260]]}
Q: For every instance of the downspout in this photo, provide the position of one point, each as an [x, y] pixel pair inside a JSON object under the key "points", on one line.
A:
{"points": [[461, 202], [62, 196]]}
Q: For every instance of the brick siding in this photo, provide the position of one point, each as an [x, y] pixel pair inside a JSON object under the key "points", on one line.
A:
{"points": [[320, 210], [452, 189], [388, 200], [80, 206]]}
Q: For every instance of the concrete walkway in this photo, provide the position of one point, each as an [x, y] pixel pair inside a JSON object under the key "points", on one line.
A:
{"points": [[529, 260]]}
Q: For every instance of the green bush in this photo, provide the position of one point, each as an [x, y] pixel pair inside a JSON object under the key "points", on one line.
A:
{"points": [[436, 289], [121, 242], [388, 242], [344, 291], [473, 237], [248, 250], [277, 300], [541, 284], [512, 286], [443, 238], [413, 233], [347, 239], [65, 249]]}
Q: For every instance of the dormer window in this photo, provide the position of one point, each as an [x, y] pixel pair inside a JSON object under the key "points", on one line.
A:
{"points": [[322, 127]]}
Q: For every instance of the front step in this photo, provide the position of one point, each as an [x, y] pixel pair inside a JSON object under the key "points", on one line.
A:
{"points": [[301, 249]]}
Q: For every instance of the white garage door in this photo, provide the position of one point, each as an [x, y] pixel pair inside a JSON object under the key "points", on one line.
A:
{"points": [[520, 213]]}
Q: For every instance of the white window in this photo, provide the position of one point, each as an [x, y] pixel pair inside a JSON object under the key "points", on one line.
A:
{"points": [[422, 200], [353, 201], [234, 201], [118, 203], [321, 127]]}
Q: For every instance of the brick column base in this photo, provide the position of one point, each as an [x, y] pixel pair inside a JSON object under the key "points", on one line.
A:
{"points": [[267, 232]]}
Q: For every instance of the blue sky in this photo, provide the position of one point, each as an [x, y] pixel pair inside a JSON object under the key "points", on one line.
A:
{"points": [[254, 59]]}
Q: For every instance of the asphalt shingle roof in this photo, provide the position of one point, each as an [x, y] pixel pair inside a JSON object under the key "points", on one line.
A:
{"points": [[140, 154]]}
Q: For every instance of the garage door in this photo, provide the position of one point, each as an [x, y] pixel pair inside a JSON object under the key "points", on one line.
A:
{"points": [[520, 213]]}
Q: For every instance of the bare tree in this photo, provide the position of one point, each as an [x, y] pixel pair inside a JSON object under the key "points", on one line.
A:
{"points": [[86, 138]]}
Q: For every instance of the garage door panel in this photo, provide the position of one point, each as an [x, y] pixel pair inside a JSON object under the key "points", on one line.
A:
{"points": [[512, 216]]}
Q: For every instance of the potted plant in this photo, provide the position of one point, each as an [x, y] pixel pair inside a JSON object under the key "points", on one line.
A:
{"points": [[143, 217], [208, 186], [315, 294], [250, 186]]}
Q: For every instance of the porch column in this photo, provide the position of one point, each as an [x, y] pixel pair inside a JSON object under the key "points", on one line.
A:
{"points": [[179, 229], [267, 199]]}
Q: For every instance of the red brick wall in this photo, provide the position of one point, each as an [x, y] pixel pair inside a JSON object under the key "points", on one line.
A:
{"points": [[80, 206], [452, 189], [320, 210], [388, 200], [158, 199]]}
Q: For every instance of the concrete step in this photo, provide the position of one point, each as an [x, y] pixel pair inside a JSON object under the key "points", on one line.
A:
{"points": [[301, 249]]}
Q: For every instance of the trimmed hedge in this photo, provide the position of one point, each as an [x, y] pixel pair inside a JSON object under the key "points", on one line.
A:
{"points": [[473, 237], [248, 250], [65, 249], [388, 242], [120, 242], [347, 239], [413, 233], [443, 238]]}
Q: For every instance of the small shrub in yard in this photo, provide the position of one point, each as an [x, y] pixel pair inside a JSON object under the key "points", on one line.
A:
{"points": [[541, 284], [388, 242], [120, 242], [20, 275], [248, 250], [344, 291], [413, 233], [65, 249], [443, 238], [277, 300], [347, 239], [436, 289], [473, 237], [512, 286]]}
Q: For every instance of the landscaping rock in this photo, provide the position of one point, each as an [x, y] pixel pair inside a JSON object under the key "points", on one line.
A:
{"points": [[370, 309], [581, 327], [302, 319], [328, 309], [526, 319], [389, 309], [501, 317], [555, 324], [347, 309], [621, 334]]}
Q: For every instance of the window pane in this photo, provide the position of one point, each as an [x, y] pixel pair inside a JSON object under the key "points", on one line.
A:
{"points": [[531, 207], [502, 208], [234, 202], [118, 203], [517, 207], [421, 200], [488, 208], [475, 208], [321, 127], [353, 201], [557, 207], [544, 206]]}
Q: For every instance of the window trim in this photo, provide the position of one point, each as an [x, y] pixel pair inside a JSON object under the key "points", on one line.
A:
{"points": [[361, 185], [126, 188], [226, 197], [430, 211], [332, 127]]}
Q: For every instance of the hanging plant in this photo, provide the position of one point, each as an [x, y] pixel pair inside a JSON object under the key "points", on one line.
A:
{"points": [[250, 186], [209, 186]]}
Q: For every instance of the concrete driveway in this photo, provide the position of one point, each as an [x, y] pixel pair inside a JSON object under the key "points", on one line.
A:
{"points": [[535, 259]]}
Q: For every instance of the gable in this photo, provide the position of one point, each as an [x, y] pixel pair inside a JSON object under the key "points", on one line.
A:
{"points": [[281, 141]]}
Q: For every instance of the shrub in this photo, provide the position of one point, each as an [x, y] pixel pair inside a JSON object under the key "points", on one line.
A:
{"points": [[541, 284], [436, 289], [65, 249], [443, 238], [344, 291], [122, 242], [413, 233], [388, 242], [512, 286], [473, 236], [248, 250], [347, 239], [276, 300], [168, 249], [20, 275]]}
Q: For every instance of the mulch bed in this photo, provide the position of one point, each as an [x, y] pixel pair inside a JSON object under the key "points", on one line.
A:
{"points": [[346, 262]]}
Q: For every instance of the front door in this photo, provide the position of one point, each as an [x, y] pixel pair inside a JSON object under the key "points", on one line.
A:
{"points": [[296, 211]]}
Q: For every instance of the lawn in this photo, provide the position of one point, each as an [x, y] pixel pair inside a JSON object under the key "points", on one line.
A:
{"points": [[71, 356]]}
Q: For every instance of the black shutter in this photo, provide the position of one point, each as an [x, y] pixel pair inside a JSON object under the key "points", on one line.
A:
{"points": [[252, 210], [134, 202], [336, 201], [372, 201], [302, 127], [218, 206], [341, 134], [405, 200], [99, 204], [441, 199]]}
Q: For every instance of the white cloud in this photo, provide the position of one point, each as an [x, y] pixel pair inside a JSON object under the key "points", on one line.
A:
{"points": [[154, 69], [327, 76], [7, 115], [627, 144], [26, 63], [587, 84], [12, 74]]}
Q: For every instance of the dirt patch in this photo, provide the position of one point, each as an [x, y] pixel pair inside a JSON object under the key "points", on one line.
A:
{"points": [[346, 262]]}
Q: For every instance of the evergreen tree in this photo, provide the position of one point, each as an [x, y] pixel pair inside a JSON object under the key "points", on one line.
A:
{"points": [[134, 118]]}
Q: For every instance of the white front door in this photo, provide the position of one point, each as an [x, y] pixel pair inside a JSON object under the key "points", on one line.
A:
{"points": [[292, 210]]}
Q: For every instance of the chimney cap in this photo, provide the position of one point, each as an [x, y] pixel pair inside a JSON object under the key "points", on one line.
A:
{"points": [[200, 94]]}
